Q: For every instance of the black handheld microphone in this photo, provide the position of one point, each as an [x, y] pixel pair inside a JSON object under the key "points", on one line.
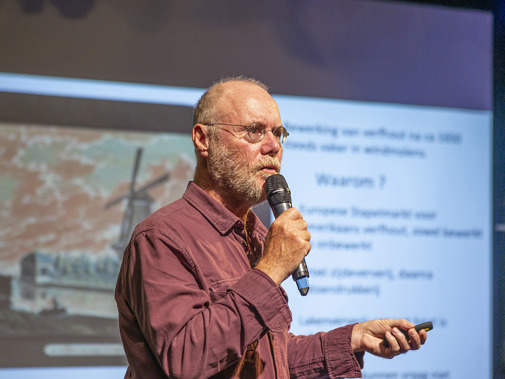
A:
{"points": [[279, 198]]}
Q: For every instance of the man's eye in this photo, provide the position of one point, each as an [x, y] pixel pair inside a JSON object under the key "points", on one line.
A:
{"points": [[278, 132], [254, 129]]}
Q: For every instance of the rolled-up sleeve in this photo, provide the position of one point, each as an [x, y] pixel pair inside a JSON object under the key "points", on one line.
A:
{"points": [[325, 354]]}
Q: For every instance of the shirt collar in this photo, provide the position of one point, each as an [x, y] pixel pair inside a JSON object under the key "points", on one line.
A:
{"points": [[216, 213]]}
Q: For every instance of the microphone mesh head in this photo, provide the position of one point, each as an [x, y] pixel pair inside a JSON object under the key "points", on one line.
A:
{"points": [[274, 182], [277, 190]]}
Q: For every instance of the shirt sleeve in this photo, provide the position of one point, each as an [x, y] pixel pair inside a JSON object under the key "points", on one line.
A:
{"points": [[324, 355], [165, 298]]}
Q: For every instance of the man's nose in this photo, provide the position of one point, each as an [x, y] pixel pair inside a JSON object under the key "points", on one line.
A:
{"points": [[270, 143]]}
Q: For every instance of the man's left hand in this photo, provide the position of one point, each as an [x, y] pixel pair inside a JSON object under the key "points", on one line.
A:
{"points": [[369, 336]]}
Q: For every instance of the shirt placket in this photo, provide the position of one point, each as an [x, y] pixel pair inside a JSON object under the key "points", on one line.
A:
{"points": [[241, 236], [280, 364]]}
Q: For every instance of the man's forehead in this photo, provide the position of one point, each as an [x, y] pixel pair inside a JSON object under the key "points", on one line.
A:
{"points": [[241, 99], [241, 90]]}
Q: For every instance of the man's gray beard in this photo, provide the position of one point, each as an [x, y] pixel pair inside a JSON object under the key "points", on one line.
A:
{"points": [[228, 168]]}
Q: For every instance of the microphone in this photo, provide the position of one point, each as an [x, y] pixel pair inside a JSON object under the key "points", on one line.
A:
{"points": [[279, 198]]}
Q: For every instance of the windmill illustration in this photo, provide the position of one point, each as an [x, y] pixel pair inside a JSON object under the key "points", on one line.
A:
{"points": [[138, 205]]}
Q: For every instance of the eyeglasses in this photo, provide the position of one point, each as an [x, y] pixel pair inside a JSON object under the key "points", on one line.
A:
{"points": [[256, 131]]}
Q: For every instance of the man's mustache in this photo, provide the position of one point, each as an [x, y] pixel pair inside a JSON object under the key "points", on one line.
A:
{"points": [[268, 162]]}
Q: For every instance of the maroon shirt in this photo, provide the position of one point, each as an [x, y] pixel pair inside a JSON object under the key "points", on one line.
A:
{"points": [[190, 305]]}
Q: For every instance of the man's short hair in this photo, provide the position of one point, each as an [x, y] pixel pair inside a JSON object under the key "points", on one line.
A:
{"points": [[205, 110]]}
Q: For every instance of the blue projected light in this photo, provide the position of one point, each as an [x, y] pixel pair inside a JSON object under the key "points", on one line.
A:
{"points": [[96, 89]]}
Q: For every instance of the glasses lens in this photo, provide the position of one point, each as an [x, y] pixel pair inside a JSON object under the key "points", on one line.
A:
{"points": [[255, 132], [280, 133], [285, 135]]}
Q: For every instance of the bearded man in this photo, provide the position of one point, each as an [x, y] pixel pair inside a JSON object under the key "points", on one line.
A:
{"points": [[199, 291]]}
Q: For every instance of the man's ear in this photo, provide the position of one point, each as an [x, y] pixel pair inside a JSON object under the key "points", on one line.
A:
{"points": [[201, 139]]}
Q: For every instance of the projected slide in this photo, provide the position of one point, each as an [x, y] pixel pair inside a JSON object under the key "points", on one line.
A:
{"points": [[397, 199], [70, 200]]}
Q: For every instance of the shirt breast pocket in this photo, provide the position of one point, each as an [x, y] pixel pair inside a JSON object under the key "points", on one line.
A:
{"points": [[219, 288]]}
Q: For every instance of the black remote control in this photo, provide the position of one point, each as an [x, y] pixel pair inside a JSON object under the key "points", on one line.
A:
{"points": [[424, 326]]}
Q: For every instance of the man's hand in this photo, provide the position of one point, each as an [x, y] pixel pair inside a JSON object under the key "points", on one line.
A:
{"points": [[368, 336], [286, 244]]}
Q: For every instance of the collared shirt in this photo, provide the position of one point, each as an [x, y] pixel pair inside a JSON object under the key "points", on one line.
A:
{"points": [[191, 306]]}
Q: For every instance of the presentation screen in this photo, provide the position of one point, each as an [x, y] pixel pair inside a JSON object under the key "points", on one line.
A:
{"points": [[397, 199], [389, 160]]}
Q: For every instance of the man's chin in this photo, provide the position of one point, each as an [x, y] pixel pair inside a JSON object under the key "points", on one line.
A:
{"points": [[265, 174]]}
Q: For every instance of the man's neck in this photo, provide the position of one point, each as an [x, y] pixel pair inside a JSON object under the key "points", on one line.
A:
{"points": [[237, 206]]}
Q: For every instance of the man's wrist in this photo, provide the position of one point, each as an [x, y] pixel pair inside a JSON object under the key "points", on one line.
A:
{"points": [[266, 269], [356, 337]]}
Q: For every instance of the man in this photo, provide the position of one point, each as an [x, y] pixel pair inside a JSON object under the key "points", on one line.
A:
{"points": [[199, 290]]}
